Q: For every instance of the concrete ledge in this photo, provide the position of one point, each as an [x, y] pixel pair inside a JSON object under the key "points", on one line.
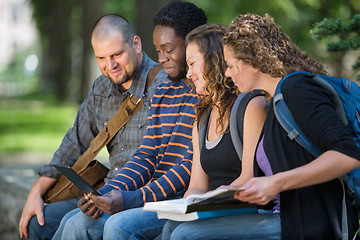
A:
{"points": [[18, 172], [15, 184]]}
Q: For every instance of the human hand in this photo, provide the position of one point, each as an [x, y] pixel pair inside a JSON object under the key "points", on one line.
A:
{"points": [[259, 190], [34, 206], [109, 203], [88, 207]]}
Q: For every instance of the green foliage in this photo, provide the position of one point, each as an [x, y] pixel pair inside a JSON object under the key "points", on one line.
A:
{"points": [[344, 35], [33, 124], [125, 8], [36, 124], [296, 17]]}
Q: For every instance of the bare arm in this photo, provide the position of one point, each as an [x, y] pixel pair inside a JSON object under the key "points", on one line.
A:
{"points": [[254, 119], [199, 181], [34, 204], [328, 166]]}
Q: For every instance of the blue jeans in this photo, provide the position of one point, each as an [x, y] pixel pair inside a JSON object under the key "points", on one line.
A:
{"points": [[53, 213], [77, 225], [247, 226], [128, 224]]}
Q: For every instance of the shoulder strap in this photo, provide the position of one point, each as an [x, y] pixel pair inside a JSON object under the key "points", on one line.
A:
{"points": [[237, 118], [202, 128], [152, 74], [287, 121], [128, 108]]}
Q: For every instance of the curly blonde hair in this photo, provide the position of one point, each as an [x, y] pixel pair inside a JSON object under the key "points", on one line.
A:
{"points": [[221, 89], [260, 42]]}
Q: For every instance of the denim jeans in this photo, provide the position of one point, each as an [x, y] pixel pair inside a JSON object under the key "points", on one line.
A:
{"points": [[247, 226], [53, 213], [77, 225], [128, 224]]}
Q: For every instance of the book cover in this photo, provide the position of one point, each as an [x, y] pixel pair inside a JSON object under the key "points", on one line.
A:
{"points": [[185, 217]]}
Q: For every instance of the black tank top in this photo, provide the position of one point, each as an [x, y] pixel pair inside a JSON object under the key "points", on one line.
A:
{"points": [[221, 163]]}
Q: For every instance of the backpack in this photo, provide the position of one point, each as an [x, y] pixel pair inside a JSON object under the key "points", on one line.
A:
{"points": [[236, 120], [346, 96]]}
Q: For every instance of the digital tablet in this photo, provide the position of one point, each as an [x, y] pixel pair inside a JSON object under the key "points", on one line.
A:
{"points": [[76, 179]]}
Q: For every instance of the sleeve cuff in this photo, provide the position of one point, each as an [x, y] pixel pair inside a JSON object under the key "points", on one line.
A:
{"points": [[105, 189], [131, 199], [48, 171]]}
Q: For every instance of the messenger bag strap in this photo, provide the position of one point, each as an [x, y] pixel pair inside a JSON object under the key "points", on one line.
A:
{"points": [[128, 108]]}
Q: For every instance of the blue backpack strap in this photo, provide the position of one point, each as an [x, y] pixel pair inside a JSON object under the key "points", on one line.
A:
{"points": [[336, 98], [237, 118], [288, 122]]}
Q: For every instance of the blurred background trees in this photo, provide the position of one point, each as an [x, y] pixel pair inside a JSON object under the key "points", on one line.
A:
{"points": [[344, 36], [67, 67], [47, 64]]}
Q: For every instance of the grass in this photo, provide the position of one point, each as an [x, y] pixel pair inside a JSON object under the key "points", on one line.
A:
{"points": [[33, 124]]}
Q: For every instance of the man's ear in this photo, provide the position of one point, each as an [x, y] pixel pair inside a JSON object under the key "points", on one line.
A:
{"points": [[137, 44]]}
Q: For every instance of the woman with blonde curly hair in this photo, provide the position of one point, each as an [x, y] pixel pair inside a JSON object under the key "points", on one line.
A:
{"points": [[216, 162], [258, 54]]}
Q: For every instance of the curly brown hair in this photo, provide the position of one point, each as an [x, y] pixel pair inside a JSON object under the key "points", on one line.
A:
{"points": [[260, 42], [221, 89]]}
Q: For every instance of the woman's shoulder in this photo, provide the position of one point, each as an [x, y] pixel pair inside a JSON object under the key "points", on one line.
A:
{"points": [[258, 103], [297, 82]]}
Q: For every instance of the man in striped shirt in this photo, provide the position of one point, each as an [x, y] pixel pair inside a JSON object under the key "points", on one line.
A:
{"points": [[160, 168]]}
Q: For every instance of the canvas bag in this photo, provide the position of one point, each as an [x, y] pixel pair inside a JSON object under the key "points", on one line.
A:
{"points": [[91, 170]]}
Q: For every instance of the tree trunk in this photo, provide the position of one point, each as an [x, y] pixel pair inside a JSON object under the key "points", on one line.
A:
{"points": [[92, 11], [58, 72]]}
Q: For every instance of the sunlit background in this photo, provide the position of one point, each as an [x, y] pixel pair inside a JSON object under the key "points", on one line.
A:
{"points": [[19, 48]]}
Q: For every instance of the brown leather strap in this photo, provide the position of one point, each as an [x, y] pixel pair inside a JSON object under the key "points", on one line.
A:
{"points": [[128, 108], [152, 74]]}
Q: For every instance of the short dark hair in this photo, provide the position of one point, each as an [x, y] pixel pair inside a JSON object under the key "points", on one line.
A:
{"points": [[111, 23], [182, 16]]}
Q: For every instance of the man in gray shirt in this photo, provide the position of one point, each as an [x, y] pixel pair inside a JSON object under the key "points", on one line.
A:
{"points": [[124, 68]]}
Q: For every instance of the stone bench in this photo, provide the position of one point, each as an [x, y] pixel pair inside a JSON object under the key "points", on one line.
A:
{"points": [[15, 184], [18, 172]]}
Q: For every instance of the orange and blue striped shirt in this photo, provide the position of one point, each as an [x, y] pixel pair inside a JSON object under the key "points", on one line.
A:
{"points": [[161, 166]]}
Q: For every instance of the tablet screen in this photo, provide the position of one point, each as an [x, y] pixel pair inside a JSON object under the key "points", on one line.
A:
{"points": [[76, 179]]}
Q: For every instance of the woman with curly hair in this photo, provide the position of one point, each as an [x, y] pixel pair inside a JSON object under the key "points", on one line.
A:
{"points": [[216, 162], [258, 54]]}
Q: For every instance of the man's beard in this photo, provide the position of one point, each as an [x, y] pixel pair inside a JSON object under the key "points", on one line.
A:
{"points": [[180, 76], [125, 78]]}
